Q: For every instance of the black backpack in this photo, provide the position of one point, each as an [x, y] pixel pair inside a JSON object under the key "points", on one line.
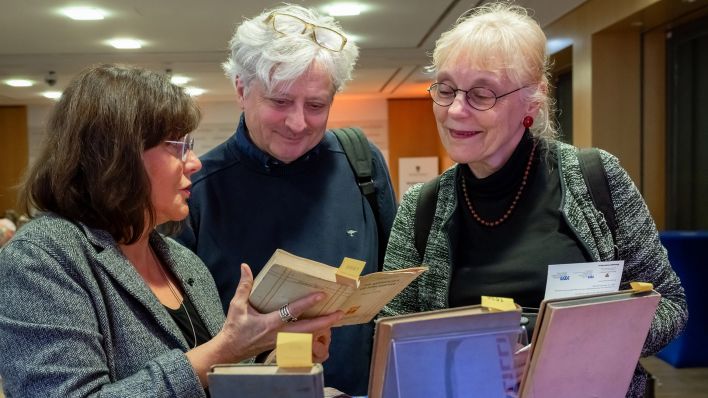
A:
{"points": [[593, 174], [358, 152]]}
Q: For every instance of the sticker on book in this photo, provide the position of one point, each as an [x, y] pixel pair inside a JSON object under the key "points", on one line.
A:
{"points": [[641, 286], [294, 350], [498, 303], [351, 268]]}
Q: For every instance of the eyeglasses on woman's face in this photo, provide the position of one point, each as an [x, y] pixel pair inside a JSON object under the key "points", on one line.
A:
{"points": [[181, 148], [479, 98], [290, 25]]}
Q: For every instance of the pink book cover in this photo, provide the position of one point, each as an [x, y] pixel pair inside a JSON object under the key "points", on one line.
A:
{"points": [[589, 347]]}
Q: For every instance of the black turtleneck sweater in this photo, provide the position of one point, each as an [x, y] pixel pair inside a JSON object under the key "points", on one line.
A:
{"points": [[511, 259]]}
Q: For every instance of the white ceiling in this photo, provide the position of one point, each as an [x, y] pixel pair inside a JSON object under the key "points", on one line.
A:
{"points": [[190, 37]]}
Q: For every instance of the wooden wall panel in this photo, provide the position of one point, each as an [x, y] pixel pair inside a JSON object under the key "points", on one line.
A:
{"points": [[654, 125], [14, 153], [616, 97], [412, 132]]}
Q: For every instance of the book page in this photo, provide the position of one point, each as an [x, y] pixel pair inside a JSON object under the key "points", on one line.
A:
{"points": [[261, 369], [375, 291], [279, 285], [297, 263], [286, 278]]}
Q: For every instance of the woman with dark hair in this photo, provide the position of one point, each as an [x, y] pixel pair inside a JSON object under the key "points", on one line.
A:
{"points": [[94, 300]]}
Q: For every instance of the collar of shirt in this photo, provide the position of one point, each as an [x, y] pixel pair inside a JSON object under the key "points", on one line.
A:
{"points": [[263, 160]]}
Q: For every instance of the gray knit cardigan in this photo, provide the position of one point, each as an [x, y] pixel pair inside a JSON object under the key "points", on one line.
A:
{"points": [[637, 241], [77, 320]]}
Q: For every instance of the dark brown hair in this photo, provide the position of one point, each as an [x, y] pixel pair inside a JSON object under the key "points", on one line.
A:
{"points": [[90, 169]]}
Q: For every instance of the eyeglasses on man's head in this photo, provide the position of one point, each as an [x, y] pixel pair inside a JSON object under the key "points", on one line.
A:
{"points": [[479, 98], [289, 25], [182, 148]]}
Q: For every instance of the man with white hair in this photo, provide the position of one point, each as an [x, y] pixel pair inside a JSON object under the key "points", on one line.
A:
{"points": [[282, 180]]}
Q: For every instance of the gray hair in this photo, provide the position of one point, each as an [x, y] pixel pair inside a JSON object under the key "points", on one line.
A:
{"points": [[503, 38], [257, 51]]}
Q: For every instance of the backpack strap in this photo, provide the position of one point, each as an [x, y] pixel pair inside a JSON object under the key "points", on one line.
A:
{"points": [[358, 152], [599, 188], [424, 213]]}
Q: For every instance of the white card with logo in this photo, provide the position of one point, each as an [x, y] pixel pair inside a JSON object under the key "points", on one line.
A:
{"points": [[570, 280]]}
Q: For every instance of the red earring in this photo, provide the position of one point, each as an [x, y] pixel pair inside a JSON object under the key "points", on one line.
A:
{"points": [[528, 121]]}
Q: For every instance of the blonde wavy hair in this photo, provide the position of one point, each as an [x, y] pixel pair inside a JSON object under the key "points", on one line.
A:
{"points": [[503, 38]]}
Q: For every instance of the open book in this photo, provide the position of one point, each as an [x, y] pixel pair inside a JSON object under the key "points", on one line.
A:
{"points": [[287, 277], [588, 345], [455, 352]]}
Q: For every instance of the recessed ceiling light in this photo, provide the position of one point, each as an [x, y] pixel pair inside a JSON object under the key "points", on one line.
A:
{"points": [[19, 83], [194, 91], [125, 44], [84, 13], [344, 9], [52, 94], [180, 80]]}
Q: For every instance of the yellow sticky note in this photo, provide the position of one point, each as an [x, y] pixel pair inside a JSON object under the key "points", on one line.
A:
{"points": [[351, 268], [498, 303], [641, 286], [293, 350]]}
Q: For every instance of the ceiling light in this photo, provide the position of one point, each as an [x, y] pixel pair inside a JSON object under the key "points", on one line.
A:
{"points": [[344, 9], [84, 13], [125, 44], [52, 94], [19, 83], [179, 80], [194, 91]]}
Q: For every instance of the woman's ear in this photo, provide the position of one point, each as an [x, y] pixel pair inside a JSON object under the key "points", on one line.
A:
{"points": [[534, 104]]}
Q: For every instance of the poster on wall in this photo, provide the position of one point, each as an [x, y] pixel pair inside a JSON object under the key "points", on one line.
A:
{"points": [[414, 170]]}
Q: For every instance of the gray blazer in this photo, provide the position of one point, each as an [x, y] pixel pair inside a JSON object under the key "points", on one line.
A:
{"points": [[76, 319]]}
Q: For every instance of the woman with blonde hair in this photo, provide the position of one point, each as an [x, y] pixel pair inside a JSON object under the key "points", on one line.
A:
{"points": [[516, 200]]}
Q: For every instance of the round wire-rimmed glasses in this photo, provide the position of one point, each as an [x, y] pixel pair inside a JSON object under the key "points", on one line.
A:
{"points": [[479, 98], [183, 147], [287, 24]]}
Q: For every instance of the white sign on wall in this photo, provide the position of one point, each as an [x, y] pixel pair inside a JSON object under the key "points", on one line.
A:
{"points": [[414, 170]]}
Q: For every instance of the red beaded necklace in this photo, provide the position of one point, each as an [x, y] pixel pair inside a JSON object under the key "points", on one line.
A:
{"points": [[508, 212]]}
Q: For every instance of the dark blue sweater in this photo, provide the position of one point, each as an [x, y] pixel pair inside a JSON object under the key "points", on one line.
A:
{"points": [[245, 204]]}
